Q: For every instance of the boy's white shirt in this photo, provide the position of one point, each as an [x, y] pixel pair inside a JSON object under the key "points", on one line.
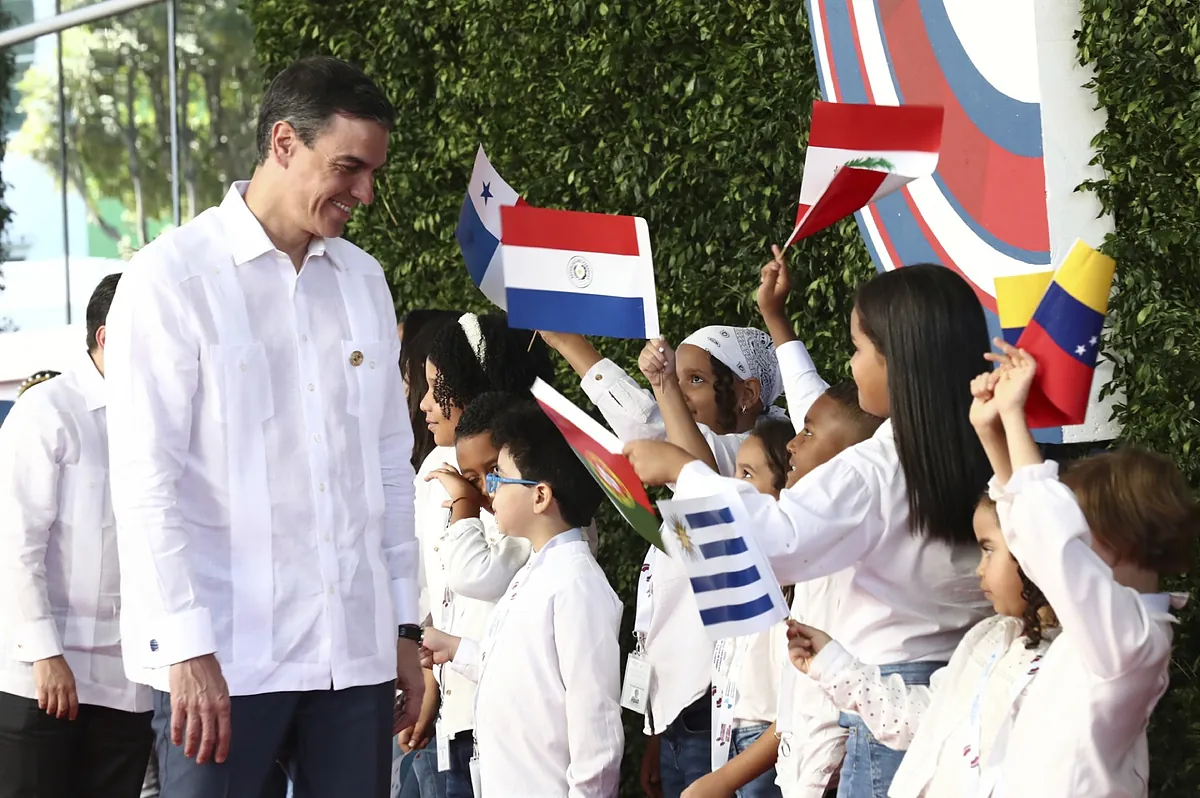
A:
{"points": [[812, 744], [1081, 732], [548, 666]]}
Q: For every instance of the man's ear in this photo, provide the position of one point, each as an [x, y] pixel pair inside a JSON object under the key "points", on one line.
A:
{"points": [[101, 336], [284, 142]]}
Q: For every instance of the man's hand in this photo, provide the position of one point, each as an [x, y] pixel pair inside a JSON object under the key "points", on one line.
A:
{"points": [[656, 462], [650, 776], [201, 719], [410, 679], [55, 686], [423, 731]]}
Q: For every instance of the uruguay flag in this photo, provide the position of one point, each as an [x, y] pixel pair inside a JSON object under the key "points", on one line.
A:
{"points": [[735, 589], [478, 230], [1064, 337], [587, 273]]}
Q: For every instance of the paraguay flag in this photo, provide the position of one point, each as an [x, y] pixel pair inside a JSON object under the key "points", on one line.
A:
{"points": [[858, 154], [1017, 297], [600, 451], [1064, 337], [735, 589], [478, 230], [587, 273]]}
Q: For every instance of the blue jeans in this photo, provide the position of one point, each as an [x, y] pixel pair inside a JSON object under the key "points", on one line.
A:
{"points": [[458, 777], [764, 786], [685, 752], [418, 775], [870, 766]]}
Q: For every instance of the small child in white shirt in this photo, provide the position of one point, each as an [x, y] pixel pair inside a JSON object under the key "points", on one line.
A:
{"points": [[956, 729], [1096, 542], [548, 721]]}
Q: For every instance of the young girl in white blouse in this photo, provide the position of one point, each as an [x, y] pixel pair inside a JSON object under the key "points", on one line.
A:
{"points": [[897, 508], [1096, 542], [729, 380], [548, 664]]}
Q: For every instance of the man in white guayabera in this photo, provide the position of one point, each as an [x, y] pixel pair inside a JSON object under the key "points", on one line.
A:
{"points": [[261, 480]]}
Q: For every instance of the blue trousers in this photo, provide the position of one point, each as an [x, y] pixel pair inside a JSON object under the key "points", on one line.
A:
{"points": [[870, 766], [458, 777], [334, 743], [685, 750]]}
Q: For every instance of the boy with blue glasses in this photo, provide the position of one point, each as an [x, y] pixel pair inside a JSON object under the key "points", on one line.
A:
{"points": [[547, 716]]}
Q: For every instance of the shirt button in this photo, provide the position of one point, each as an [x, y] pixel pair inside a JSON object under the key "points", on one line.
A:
{"points": [[312, 387], [243, 366], [321, 487], [317, 438], [599, 377], [327, 538], [372, 364], [331, 591], [449, 692], [304, 338]]}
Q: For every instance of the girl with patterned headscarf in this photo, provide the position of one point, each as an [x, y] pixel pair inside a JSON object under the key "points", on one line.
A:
{"points": [[730, 380]]}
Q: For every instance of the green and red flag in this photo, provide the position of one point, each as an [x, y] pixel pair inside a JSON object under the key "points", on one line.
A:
{"points": [[600, 451]]}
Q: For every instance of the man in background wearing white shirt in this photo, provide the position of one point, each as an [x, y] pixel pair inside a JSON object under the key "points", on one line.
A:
{"points": [[71, 723], [261, 474]]}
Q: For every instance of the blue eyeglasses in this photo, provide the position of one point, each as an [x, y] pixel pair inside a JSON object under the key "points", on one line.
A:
{"points": [[492, 482]]}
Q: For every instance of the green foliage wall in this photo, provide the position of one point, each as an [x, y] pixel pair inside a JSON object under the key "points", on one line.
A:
{"points": [[1147, 62], [693, 114]]}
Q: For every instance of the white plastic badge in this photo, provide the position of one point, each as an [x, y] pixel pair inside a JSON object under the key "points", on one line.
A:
{"points": [[476, 779], [443, 750], [635, 692]]}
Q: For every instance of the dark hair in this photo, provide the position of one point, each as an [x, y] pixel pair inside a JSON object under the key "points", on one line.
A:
{"points": [[725, 398], [775, 434], [482, 413], [541, 453], [414, 349], [309, 92], [510, 362], [97, 308], [36, 378], [1038, 614], [845, 394], [928, 324], [1138, 504]]}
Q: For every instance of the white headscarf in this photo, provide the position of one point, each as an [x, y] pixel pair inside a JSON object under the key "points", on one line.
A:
{"points": [[747, 352]]}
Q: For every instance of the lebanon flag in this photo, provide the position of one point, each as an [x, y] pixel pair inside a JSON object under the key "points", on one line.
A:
{"points": [[860, 153], [600, 451], [587, 273]]}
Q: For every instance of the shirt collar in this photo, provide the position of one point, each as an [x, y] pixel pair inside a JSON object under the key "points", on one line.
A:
{"points": [[90, 381], [247, 238], [1163, 603]]}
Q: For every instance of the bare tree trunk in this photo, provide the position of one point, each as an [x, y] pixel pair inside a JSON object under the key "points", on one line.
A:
{"points": [[187, 160], [131, 138]]}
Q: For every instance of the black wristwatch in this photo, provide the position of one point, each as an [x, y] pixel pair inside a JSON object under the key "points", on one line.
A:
{"points": [[410, 631]]}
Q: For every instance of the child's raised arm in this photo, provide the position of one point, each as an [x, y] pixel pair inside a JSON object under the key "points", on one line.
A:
{"points": [[575, 349], [985, 418], [1010, 390], [774, 286], [802, 385], [657, 363]]}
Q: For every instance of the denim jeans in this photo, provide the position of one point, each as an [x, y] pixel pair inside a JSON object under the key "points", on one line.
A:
{"points": [[685, 751], [458, 777], [417, 774], [764, 786], [870, 766]]}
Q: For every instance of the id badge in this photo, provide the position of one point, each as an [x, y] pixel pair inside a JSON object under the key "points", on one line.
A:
{"points": [[635, 692], [476, 779], [443, 750]]}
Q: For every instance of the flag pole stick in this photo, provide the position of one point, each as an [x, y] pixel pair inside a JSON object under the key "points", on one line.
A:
{"points": [[532, 338]]}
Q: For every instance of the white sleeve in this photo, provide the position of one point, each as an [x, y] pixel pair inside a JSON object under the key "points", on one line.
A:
{"points": [[826, 522], [468, 659], [802, 384], [477, 567], [31, 449], [891, 709], [401, 552], [1048, 534], [151, 370], [586, 628], [633, 413]]}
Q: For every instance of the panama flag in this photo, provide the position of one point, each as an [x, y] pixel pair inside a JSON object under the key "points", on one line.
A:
{"points": [[1064, 337], [858, 154], [600, 451], [587, 273], [478, 230], [736, 590]]}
